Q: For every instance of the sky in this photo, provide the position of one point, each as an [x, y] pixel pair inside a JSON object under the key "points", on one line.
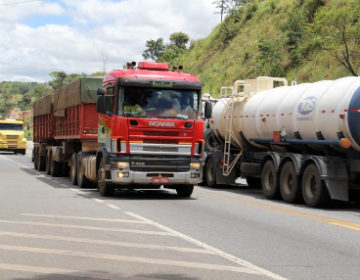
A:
{"points": [[86, 36]]}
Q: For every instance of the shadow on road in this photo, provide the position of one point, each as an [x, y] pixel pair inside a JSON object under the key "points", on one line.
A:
{"points": [[91, 192]]}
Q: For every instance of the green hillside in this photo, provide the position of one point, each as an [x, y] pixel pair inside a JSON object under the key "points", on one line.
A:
{"points": [[302, 40]]}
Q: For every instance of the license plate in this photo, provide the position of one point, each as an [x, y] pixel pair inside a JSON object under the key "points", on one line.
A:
{"points": [[160, 180]]}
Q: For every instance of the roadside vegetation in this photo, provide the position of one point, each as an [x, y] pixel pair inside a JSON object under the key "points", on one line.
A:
{"points": [[302, 40]]}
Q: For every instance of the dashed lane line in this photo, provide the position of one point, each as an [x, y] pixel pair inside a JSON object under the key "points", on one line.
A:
{"points": [[84, 218], [256, 269], [106, 242], [112, 206], [122, 258], [136, 231], [36, 269]]}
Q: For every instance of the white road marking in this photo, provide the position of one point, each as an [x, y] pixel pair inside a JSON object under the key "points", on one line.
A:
{"points": [[146, 232], [85, 218], [106, 242], [98, 200], [218, 252], [113, 206], [35, 269], [129, 259]]}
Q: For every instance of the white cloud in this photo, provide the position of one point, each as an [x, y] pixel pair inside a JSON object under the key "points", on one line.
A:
{"points": [[115, 30]]}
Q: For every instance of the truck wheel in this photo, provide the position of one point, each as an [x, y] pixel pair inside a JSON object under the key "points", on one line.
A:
{"points": [[314, 191], [55, 167], [41, 163], [289, 183], [184, 190], [210, 173], [104, 188], [35, 159], [254, 183], [23, 152], [269, 180], [83, 182], [47, 164], [73, 169]]}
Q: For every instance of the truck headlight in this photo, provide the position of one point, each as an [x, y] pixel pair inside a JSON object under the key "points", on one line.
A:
{"points": [[120, 165], [195, 165]]}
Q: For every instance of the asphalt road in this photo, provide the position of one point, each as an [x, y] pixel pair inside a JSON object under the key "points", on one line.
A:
{"points": [[50, 229]]}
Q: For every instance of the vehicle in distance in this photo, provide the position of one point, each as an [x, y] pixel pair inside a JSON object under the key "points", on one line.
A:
{"points": [[12, 136]]}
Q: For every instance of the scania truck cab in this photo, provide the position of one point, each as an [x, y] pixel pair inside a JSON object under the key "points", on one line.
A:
{"points": [[150, 129]]}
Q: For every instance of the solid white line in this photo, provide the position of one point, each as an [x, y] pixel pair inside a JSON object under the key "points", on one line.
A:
{"points": [[106, 242], [218, 252], [113, 206], [88, 227], [84, 218], [35, 269], [98, 200], [129, 259]]}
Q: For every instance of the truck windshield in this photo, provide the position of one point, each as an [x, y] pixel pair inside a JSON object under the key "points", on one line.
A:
{"points": [[159, 103], [10, 126]]}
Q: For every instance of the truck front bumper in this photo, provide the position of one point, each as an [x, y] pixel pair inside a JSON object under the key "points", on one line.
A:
{"points": [[12, 147], [192, 177]]}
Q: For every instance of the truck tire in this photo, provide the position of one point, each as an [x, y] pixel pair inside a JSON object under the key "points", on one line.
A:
{"points": [[23, 152], [105, 189], [210, 173], [83, 182], [55, 167], [184, 191], [47, 164], [314, 191], [269, 180], [41, 164], [73, 169], [35, 155], [289, 183]]}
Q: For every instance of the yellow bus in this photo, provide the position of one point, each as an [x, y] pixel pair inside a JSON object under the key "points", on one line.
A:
{"points": [[12, 136]]}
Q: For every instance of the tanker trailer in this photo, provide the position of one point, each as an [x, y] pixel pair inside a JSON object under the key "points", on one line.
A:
{"points": [[297, 142]]}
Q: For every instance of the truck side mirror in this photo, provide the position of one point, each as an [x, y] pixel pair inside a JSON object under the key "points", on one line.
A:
{"points": [[101, 91], [208, 110], [100, 104]]}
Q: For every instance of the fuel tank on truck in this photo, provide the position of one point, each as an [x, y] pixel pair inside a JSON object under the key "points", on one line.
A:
{"points": [[325, 110]]}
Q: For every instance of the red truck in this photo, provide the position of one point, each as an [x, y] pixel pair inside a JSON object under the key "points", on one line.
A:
{"points": [[140, 128]]}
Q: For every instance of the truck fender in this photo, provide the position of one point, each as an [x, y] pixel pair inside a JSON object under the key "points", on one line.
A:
{"points": [[275, 157], [102, 153], [296, 159], [334, 173]]}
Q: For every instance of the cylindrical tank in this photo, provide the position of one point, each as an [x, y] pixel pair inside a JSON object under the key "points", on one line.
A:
{"points": [[325, 110]]}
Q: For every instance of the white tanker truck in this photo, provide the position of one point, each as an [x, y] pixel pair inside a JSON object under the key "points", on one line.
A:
{"points": [[298, 141]]}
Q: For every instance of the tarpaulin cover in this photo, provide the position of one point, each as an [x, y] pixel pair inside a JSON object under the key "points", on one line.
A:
{"points": [[83, 91], [44, 106]]}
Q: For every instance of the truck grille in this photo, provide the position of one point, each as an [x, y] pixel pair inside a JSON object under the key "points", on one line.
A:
{"points": [[160, 133], [12, 137], [160, 164]]}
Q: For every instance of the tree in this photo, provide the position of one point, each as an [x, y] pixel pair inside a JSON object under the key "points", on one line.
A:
{"points": [[179, 39], [58, 79], [225, 6], [336, 30], [154, 49]]}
